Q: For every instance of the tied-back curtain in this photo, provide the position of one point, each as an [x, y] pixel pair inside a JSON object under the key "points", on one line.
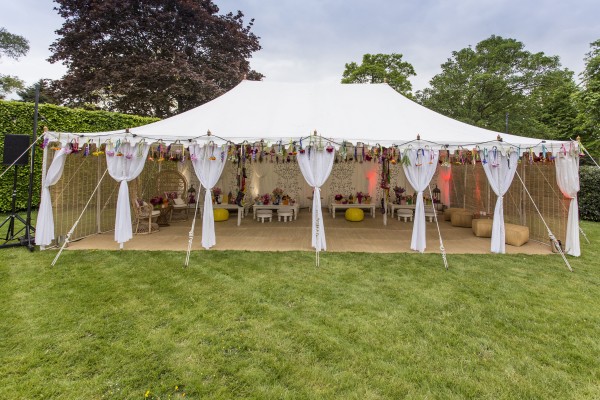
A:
{"points": [[208, 161], [44, 227], [316, 167], [567, 177], [125, 162], [419, 173], [500, 170]]}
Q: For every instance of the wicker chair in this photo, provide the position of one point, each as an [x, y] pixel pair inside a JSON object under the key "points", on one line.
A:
{"points": [[144, 218], [172, 184]]}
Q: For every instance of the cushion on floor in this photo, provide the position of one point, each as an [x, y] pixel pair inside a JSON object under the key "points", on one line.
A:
{"points": [[482, 227], [462, 219], [516, 235], [448, 212], [354, 214], [221, 214]]}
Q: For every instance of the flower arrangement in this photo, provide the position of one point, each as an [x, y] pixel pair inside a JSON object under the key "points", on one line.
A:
{"points": [[359, 197], [266, 198], [277, 192], [217, 191], [338, 197], [156, 201]]}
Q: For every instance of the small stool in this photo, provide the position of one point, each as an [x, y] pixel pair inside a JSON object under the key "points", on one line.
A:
{"points": [[354, 215], [482, 227], [221, 214], [429, 214], [286, 214], [406, 214], [264, 214], [448, 212]]}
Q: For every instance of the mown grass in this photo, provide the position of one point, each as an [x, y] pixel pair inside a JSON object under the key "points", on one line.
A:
{"points": [[122, 325]]}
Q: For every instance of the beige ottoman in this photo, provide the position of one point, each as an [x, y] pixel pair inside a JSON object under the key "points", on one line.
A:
{"points": [[482, 227], [448, 212], [462, 219], [516, 235]]}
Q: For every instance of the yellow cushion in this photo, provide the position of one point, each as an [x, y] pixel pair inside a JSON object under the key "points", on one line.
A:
{"points": [[355, 214], [221, 214]]}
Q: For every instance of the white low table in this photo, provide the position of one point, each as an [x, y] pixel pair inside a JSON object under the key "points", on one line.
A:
{"points": [[295, 207], [335, 206], [240, 210], [393, 207]]}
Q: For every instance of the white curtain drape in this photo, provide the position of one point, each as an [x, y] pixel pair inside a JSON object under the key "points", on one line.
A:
{"points": [[316, 167], [125, 162], [567, 177], [44, 227], [208, 161], [500, 170], [419, 173]]}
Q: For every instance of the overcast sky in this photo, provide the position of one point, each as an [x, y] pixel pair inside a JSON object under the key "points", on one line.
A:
{"points": [[311, 40]]}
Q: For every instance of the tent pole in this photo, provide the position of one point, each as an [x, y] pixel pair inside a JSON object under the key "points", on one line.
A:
{"points": [[98, 199]]}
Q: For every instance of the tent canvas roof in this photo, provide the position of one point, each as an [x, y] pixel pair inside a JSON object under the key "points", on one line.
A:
{"points": [[368, 113]]}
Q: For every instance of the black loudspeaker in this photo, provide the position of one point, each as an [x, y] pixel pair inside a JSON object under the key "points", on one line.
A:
{"points": [[14, 147]]}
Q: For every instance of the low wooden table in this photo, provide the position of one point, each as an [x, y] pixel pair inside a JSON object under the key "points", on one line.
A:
{"points": [[165, 215], [334, 206]]}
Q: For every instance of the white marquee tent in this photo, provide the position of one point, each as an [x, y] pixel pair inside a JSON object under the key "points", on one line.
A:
{"points": [[370, 114]]}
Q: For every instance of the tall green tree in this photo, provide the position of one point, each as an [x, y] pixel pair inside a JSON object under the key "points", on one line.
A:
{"points": [[27, 94], [150, 57], [589, 100], [481, 85], [379, 68], [11, 46]]}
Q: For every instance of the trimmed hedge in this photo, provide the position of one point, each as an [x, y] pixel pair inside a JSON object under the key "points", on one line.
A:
{"points": [[17, 118], [589, 195]]}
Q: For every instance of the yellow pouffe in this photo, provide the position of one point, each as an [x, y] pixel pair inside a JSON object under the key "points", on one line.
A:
{"points": [[448, 212], [516, 235], [482, 227], [462, 219], [354, 214], [221, 214]]}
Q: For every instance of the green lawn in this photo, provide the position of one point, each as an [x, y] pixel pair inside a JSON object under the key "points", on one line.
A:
{"points": [[125, 325]]}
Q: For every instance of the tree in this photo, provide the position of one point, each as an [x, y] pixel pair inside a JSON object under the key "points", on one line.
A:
{"points": [[379, 68], [12, 46], [27, 94], [150, 57], [589, 100], [479, 86]]}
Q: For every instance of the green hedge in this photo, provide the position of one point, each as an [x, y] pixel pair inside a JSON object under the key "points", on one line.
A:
{"points": [[17, 118], [589, 195]]}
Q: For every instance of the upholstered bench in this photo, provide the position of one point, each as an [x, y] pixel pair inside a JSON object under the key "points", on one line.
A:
{"points": [[482, 227], [516, 235], [286, 214], [448, 212], [354, 215], [221, 214], [461, 219], [264, 214], [405, 214]]}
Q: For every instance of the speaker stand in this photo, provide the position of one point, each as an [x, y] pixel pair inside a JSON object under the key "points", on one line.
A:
{"points": [[11, 236]]}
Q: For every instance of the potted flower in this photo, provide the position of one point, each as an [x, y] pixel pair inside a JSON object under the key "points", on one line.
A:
{"points": [[156, 201], [266, 198], [359, 197], [338, 198], [398, 192], [217, 194]]}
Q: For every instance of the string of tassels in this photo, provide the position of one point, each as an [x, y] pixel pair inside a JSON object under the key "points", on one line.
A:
{"points": [[191, 236], [442, 248]]}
